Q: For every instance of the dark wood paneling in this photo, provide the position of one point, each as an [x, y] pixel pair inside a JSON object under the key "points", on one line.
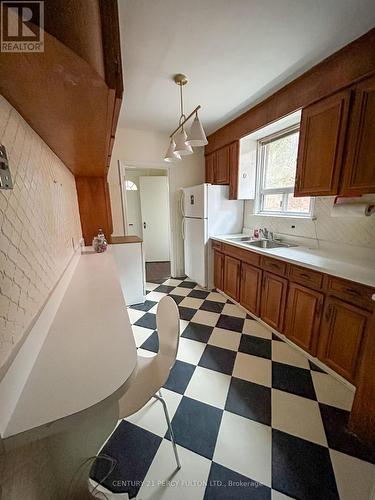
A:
{"points": [[362, 417], [64, 96], [273, 297], [341, 336], [321, 146], [303, 314], [250, 287], [359, 167], [94, 207], [217, 245], [334, 73], [210, 162], [232, 270]]}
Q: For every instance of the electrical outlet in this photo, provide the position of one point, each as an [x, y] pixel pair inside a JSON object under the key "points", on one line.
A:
{"points": [[5, 177]]}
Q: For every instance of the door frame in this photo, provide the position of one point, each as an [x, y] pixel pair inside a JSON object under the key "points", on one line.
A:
{"points": [[122, 165]]}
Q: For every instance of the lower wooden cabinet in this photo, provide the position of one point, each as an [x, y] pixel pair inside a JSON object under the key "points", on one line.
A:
{"points": [[341, 337], [251, 283], [218, 270], [232, 272], [273, 297], [303, 314]]}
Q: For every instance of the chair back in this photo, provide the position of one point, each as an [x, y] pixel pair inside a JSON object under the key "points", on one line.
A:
{"points": [[168, 326]]}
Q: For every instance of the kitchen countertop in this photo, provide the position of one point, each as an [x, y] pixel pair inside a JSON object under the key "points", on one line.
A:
{"points": [[88, 354], [317, 260]]}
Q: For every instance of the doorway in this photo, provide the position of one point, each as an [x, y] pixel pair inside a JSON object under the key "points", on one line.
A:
{"points": [[147, 215]]}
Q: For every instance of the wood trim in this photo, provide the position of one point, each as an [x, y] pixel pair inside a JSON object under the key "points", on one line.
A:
{"points": [[338, 71], [120, 240], [362, 417]]}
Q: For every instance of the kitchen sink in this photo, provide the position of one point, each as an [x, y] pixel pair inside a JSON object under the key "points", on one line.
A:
{"points": [[268, 244], [240, 238]]}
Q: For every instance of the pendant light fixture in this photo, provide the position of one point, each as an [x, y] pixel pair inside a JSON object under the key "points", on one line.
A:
{"points": [[180, 144]]}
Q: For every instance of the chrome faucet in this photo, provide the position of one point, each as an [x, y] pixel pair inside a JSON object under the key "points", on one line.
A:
{"points": [[267, 235]]}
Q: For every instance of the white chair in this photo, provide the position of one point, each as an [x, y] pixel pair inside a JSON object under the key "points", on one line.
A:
{"points": [[153, 372], [150, 375]]}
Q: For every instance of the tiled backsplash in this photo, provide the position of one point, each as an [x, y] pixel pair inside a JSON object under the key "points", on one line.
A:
{"points": [[354, 231], [39, 225]]}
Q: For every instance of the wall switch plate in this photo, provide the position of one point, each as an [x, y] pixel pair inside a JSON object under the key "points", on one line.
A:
{"points": [[5, 177]]}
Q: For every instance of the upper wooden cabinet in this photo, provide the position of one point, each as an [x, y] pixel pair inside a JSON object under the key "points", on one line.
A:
{"points": [[336, 153], [359, 166], [321, 146], [222, 167]]}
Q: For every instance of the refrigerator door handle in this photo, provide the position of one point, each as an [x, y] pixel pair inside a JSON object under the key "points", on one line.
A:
{"points": [[182, 204], [183, 228]]}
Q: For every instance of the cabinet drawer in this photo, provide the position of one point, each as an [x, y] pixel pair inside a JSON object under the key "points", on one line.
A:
{"points": [[312, 279], [217, 245], [354, 293], [245, 255], [273, 265]]}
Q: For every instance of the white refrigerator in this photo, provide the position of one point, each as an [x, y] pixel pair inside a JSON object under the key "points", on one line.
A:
{"points": [[207, 211]]}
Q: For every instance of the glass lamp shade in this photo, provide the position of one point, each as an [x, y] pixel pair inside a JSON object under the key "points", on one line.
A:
{"points": [[171, 154], [197, 137], [181, 147]]}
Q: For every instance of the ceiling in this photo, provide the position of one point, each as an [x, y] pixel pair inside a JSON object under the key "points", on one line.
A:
{"points": [[234, 52]]}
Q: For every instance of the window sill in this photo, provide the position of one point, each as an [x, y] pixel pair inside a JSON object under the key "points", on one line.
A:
{"points": [[285, 216]]}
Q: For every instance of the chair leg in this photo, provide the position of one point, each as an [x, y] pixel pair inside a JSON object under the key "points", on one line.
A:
{"points": [[161, 399]]}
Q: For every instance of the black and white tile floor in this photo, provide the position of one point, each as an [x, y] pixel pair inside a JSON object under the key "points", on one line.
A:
{"points": [[253, 417]]}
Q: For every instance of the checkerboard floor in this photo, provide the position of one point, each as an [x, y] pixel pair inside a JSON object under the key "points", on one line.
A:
{"points": [[252, 416]]}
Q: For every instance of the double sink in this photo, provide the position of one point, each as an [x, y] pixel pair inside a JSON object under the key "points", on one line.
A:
{"points": [[247, 240]]}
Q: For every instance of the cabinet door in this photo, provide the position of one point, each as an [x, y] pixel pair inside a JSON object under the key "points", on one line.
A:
{"points": [[251, 283], [303, 314], [341, 336], [221, 169], [232, 269], [218, 270], [234, 166], [273, 300], [321, 143], [210, 161], [359, 167]]}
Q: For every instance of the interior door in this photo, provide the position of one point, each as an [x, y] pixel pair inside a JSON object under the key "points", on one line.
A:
{"points": [[155, 217]]}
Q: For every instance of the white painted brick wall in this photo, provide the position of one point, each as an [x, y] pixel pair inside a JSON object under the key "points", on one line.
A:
{"points": [[358, 231], [38, 220]]}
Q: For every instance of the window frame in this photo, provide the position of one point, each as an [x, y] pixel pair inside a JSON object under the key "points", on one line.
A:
{"points": [[260, 192]]}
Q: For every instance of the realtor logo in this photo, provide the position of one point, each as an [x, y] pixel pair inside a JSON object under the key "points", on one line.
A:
{"points": [[22, 26]]}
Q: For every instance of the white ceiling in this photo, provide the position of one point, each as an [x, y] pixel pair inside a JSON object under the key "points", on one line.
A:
{"points": [[235, 52]]}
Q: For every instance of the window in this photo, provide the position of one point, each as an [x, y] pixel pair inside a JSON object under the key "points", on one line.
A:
{"points": [[130, 186], [276, 172]]}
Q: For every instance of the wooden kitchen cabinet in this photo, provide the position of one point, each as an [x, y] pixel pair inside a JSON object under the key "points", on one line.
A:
{"points": [[232, 272], [341, 336], [218, 270], [222, 167], [251, 283], [321, 146], [359, 165], [302, 317], [273, 295], [210, 162]]}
